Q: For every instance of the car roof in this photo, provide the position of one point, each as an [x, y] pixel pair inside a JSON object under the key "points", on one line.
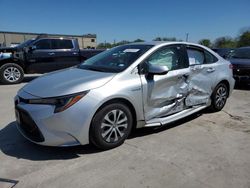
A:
{"points": [[157, 43]]}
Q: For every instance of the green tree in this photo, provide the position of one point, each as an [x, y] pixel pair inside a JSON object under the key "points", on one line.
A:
{"points": [[139, 40], [225, 42], [169, 39], [157, 39], [244, 39], [165, 39], [104, 45], [205, 42]]}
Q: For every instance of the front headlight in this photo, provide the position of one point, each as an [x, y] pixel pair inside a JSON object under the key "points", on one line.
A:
{"points": [[61, 103]]}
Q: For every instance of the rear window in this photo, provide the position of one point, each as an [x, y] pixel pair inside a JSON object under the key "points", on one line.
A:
{"points": [[196, 57], [62, 44], [210, 58]]}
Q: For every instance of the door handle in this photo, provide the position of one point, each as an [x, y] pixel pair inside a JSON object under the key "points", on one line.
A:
{"points": [[75, 53], [51, 53], [209, 70]]}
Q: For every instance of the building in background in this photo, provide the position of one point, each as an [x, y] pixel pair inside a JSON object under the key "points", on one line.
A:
{"points": [[8, 39]]}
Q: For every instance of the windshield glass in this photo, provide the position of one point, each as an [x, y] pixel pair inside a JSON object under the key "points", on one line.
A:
{"points": [[243, 53], [25, 43], [116, 59]]}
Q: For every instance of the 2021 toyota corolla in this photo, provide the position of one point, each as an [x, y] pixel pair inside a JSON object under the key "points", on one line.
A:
{"points": [[134, 85]]}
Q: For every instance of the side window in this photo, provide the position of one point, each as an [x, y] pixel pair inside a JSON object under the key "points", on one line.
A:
{"points": [[43, 44], [168, 56], [210, 58], [61, 44], [196, 57]]}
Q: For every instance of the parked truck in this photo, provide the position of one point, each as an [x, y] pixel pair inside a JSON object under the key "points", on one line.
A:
{"points": [[40, 55]]}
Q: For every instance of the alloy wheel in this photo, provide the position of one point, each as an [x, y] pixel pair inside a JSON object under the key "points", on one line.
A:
{"points": [[12, 74], [221, 96], [114, 126]]}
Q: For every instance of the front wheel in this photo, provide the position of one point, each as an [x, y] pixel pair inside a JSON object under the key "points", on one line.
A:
{"points": [[110, 126], [219, 97], [11, 73]]}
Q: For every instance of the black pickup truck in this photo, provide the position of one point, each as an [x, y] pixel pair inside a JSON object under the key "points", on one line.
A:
{"points": [[40, 55]]}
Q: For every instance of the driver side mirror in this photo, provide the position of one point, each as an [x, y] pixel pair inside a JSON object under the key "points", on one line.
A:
{"points": [[32, 48], [156, 70]]}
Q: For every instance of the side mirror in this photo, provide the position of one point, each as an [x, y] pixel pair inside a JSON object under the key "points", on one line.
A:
{"points": [[157, 70], [32, 48]]}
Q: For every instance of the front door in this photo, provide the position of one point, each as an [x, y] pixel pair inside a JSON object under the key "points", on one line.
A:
{"points": [[164, 95]]}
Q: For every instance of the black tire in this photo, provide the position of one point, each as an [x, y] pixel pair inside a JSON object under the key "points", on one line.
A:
{"points": [[219, 97], [11, 73], [103, 133]]}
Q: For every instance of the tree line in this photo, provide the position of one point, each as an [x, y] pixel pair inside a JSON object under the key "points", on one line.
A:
{"points": [[222, 42]]}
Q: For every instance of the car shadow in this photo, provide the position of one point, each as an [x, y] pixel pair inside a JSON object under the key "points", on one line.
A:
{"points": [[242, 86], [12, 143], [154, 130]]}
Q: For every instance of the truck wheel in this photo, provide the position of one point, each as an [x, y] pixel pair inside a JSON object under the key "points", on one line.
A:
{"points": [[11, 73]]}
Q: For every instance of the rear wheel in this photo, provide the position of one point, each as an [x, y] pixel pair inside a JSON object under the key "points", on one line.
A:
{"points": [[111, 126], [11, 73], [219, 97]]}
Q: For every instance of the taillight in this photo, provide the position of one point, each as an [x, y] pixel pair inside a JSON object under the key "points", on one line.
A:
{"points": [[231, 66]]}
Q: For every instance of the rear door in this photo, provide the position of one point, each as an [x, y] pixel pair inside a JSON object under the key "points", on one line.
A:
{"points": [[203, 75], [165, 94], [66, 54]]}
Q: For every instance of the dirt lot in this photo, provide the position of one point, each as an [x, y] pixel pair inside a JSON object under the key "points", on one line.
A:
{"points": [[205, 150]]}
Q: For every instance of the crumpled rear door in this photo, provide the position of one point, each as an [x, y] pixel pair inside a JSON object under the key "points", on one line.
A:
{"points": [[202, 78]]}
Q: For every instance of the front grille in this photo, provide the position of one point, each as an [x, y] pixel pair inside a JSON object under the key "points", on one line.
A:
{"points": [[28, 126]]}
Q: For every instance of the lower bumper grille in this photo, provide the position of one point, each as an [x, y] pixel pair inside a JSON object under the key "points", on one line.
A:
{"points": [[28, 126]]}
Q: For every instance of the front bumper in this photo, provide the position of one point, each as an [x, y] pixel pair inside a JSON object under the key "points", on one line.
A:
{"points": [[39, 123], [242, 78]]}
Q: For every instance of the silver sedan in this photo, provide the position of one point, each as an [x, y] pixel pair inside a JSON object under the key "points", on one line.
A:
{"points": [[135, 85]]}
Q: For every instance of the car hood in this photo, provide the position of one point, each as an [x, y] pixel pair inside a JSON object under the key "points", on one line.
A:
{"points": [[65, 82], [243, 62]]}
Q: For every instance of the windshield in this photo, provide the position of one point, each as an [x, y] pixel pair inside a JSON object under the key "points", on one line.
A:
{"points": [[116, 59], [25, 43], [243, 53]]}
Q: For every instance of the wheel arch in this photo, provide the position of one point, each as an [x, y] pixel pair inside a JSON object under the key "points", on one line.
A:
{"points": [[123, 101], [226, 82]]}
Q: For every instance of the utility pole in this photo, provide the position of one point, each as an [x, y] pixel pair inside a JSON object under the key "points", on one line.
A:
{"points": [[187, 34]]}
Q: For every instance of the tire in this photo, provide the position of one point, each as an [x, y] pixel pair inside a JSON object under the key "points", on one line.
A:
{"points": [[11, 73], [111, 126], [219, 97]]}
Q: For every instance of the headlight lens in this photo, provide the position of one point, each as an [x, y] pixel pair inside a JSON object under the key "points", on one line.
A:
{"points": [[61, 103]]}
